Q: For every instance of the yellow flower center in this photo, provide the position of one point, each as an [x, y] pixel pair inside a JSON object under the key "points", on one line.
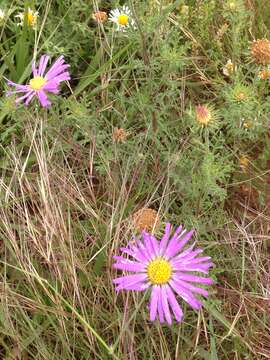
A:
{"points": [[37, 83], [159, 271], [123, 19], [31, 18]]}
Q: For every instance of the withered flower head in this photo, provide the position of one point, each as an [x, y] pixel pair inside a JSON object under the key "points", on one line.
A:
{"points": [[100, 16], [264, 74], [146, 219], [119, 135], [260, 51]]}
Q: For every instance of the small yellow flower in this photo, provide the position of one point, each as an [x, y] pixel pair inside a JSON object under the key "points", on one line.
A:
{"points": [[203, 114], [264, 74], [146, 219], [260, 51], [100, 16], [119, 135], [229, 68], [29, 17]]}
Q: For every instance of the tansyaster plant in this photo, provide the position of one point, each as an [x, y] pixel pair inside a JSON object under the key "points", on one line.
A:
{"points": [[41, 84], [169, 270]]}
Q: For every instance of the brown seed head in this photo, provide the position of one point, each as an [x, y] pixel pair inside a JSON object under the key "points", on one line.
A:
{"points": [[146, 219], [100, 16], [119, 135], [260, 51], [264, 74]]}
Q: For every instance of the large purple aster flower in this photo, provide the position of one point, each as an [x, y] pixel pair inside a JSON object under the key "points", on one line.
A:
{"points": [[167, 269], [42, 83]]}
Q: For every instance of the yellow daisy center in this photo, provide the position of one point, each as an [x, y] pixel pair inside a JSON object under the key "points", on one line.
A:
{"points": [[37, 83], [123, 19], [31, 19], [159, 271]]}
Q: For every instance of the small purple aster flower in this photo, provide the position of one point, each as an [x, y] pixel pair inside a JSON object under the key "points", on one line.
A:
{"points": [[167, 269], [42, 83]]}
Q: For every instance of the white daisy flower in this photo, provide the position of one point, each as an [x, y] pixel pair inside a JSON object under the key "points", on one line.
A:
{"points": [[30, 17], [122, 17]]}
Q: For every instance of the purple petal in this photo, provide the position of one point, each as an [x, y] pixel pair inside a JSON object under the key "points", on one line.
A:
{"points": [[204, 268], [30, 98], [134, 253], [160, 307], [128, 265], [125, 282], [154, 302], [151, 243], [165, 238], [186, 295], [34, 69], [165, 305], [189, 256], [178, 313], [43, 98], [177, 246], [190, 287], [29, 93], [193, 278], [42, 64], [136, 287]]}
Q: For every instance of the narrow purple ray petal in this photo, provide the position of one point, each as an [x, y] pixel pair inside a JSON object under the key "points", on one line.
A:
{"points": [[185, 253], [137, 287], [165, 238], [154, 302], [43, 98], [128, 265], [196, 279], [144, 250], [204, 268], [42, 64], [155, 244], [63, 77], [191, 255], [192, 288], [172, 243], [130, 279], [178, 312], [27, 102], [147, 244], [29, 93], [34, 69], [11, 92], [186, 295], [177, 246], [197, 260], [134, 253], [160, 307], [165, 305]]}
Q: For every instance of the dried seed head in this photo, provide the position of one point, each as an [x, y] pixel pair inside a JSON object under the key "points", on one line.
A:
{"points": [[146, 219], [100, 16], [119, 135], [264, 74], [260, 51]]}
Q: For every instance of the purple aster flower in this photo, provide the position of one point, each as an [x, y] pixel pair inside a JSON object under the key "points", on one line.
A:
{"points": [[167, 269], [42, 83]]}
